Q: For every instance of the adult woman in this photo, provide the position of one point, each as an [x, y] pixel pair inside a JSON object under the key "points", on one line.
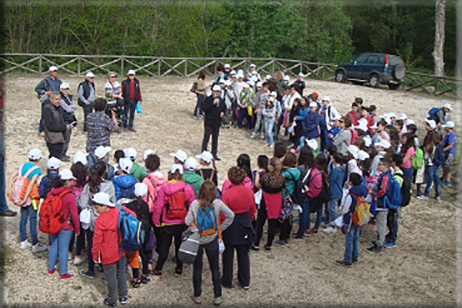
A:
{"points": [[408, 153], [243, 161], [207, 203], [113, 94], [292, 175], [240, 234], [96, 184], [59, 242], [169, 216], [200, 93], [272, 183], [299, 117], [154, 180], [433, 157]]}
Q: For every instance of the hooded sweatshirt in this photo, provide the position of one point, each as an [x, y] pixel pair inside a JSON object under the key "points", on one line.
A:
{"points": [[84, 201], [351, 201], [69, 209], [124, 186], [166, 191], [106, 249], [193, 179], [311, 125], [292, 175], [336, 180], [138, 172], [154, 180]]}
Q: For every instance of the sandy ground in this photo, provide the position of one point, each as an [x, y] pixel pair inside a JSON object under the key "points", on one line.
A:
{"points": [[420, 270]]}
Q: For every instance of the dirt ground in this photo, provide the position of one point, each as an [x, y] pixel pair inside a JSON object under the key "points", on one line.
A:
{"points": [[421, 270]]}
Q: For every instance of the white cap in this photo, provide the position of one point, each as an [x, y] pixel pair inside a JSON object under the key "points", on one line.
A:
{"points": [[190, 164], [268, 77], [286, 77], [383, 143], [337, 117], [102, 151], [410, 121], [252, 65], [367, 141], [34, 154], [241, 72], [362, 126], [102, 198], [362, 121], [131, 72], [66, 175], [301, 74], [147, 153], [53, 163], [448, 106], [312, 144], [326, 98], [403, 117], [239, 75], [259, 84], [53, 68], [233, 72], [449, 124], [130, 153], [89, 75], [176, 167], [227, 65], [205, 156], [216, 88], [392, 115], [227, 82], [180, 155], [141, 189], [222, 81], [251, 83], [255, 73], [254, 78], [126, 164], [362, 155], [374, 126], [80, 157], [64, 85], [313, 105], [386, 117], [274, 93], [353, 150], [432, 123]]}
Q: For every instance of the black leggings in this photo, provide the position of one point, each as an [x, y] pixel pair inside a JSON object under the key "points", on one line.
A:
{"points": [[166, 235], [144, 259], [272, 225]]}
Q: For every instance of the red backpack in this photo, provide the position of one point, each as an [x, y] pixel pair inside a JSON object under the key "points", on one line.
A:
{"points": [[177, 205], [51, 213]]}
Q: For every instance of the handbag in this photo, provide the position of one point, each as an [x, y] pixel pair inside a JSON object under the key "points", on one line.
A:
{"points": [[189, 246], [193, 87]]}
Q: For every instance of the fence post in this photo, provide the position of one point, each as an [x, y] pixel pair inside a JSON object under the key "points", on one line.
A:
{"points": [[158, 67], [122, 62], [185, 68], [272, 67], [78, 65], [40, 65]]}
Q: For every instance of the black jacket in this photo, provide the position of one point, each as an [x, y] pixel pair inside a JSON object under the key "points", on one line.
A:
{"points": [[212, 112], [86, 90], [126, 90], [55, 126]]}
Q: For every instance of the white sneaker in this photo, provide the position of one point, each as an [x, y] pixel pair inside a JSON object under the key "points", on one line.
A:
{"points": [[79, 260], [25, 245], [252, 136], [262, 136], [38, 248], [329, 230], [70, 256]]}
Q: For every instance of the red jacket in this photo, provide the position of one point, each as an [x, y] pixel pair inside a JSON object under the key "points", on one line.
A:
{"points": [[106, 248], [240, 199], [69, 209]]}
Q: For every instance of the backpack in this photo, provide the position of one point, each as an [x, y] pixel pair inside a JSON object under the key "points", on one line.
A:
{"points": [[418, 160], [132, 230], [207, 221], [127, 193], [325, 194], [432, 114], [177, 205], [51, 218], [394, 197], [286, 208], [18, 183], [405, 191], [438, 158], [361, 213]]}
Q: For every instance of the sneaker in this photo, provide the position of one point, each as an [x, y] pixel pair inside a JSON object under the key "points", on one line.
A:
{"points": [[158, 273], [280, 242], [252, 136], [196, 299], [446, 183], [217, 158], [262, 137], [132, 129], [8, 213], [25, 245], [355, 260], [314, 231], [422, 197], [106, 302], [329, 230], [201, 117], [136, 282], [255, 248], [299, 239], [68, 276], [145, 279], [343, 263], [438, 198], [70, 256], [123, 300], [87, 274], [218, 301], [178, 272], [267, 248], [374, 249], [194, 117], [245, 287], [389, 245], [51, 272], [79, 260], [37, 248]]}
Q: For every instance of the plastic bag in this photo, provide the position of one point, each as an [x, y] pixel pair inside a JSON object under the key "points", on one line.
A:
{"points": [[221, 246]]}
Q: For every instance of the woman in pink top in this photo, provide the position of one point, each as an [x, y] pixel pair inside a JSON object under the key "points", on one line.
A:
{"points": [[154, 180], [408, 153], [243, 161]]}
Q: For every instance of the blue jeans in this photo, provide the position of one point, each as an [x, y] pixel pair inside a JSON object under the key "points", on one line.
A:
{"points": [[3, 202], [351, 244], [318, 215], [392, 224], [332, 210], [129, 113], [324, 133], [269, 131], [407, 172], [302, 142], [28, 212], [200, 100], [278, 126], [432, 173], [59, 244], [304, 219]]}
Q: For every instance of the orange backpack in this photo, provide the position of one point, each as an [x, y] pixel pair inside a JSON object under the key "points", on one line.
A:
{"points": [[51, 213]]}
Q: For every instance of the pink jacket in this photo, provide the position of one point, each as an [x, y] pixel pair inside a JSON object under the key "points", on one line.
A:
{"points": [[162, 198], [227, 185], [154, 181], [315, 185]]}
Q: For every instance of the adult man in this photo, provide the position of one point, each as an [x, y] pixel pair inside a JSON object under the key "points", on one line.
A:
{"points": [[55, 127], [244, 103], [68, 105], [100, 126], [87, 96], [300, 83], [45, 88], [214, 109], [132, 95]]}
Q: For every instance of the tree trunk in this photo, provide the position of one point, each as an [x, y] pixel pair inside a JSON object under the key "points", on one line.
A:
{"points": [[440, 21]]}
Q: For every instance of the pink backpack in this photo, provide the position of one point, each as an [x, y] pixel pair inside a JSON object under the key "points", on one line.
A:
{"points": [[18, 183]]}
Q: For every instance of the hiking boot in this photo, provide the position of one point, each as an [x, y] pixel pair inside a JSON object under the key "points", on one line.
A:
{"points": [[37, 248], [51, 272], [79, 260], [389, 245], [374, 249], [25, 245], [423, 197], [329, 230], [343, 263], [196, 299], [8, 213], [123, 300], [218, 301], [87, 274], [106, 302], [68, 276]]}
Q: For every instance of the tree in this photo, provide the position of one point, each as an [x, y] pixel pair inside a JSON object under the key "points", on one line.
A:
{"points": [[440, 22]]}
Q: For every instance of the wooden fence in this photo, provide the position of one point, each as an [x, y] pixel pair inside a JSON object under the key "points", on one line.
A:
{"points": [[79, 65]]}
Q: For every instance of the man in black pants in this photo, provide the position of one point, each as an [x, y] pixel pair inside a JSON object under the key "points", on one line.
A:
{"points": [[131, 93], [87, 96], [55, 126], [214, 109]]}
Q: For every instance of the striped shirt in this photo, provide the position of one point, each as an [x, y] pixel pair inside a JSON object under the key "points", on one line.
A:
{"points": [[99, 127]]}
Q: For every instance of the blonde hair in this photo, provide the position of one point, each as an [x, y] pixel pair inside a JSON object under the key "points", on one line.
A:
{"points": [[276, 163]]}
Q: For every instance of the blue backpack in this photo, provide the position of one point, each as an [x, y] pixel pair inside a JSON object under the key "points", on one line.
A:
{"points": [[207, 220], [438, 159], [394, 197], [131, 229], [432, 114]]}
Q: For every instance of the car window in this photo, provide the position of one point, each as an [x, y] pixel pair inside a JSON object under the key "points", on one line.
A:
{"points": [[361, 58], [394, 60], [373, 59]]}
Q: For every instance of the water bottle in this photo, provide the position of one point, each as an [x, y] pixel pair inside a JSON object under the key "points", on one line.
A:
{"points": [[138, 107]]}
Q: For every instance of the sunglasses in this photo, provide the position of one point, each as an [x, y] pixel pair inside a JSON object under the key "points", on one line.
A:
{"points": [[113, 76]]}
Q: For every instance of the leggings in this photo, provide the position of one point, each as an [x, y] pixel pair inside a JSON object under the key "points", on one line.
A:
{"points": [[272, 224]]}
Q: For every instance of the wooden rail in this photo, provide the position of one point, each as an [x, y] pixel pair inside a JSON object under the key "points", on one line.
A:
{"points": [[79, 65]]}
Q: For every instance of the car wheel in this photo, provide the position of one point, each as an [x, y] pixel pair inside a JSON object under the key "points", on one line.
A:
{"points": [[374, 81], [393, 86], [340, 76]]}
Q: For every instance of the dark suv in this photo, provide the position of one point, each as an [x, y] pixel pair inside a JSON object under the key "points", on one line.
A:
{"points": [[373, 68]]}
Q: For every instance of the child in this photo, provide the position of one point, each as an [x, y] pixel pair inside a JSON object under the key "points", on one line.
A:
{"points": [[311, 124], [137, 171], [29, 200], [353, 115], [179, 157], [393, 214], [336, 182], [46, 183], [335, 129], [449, 148], [106, 249], [269, 114], [352, 232], [207, 173], [381, 149], [117, 156], [190, 176], [124, 182], [380, 131], [102, 154], [155, 179]]}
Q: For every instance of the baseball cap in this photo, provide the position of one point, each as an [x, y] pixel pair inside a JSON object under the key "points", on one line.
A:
{"points": [[130, 153], [53, 68], [131, 72], [239, 75], [312, 144], [180, 155], [254, 78], [268, 77], [326, 98], [301, 74], [410, 121], [362, 155], [259, 84], [89, 75], [251, 83], [141, 189], [53, 163], [392, 115], [64, 86], [315, 94], [353, 150], [432, 123], [190, 164], [403, 117], [227, 65], [274, 93], [222, 81], [216, 88], [205, 156], [102, 198], [448, 106], [245, 85], [252, 65], [449, 124], [176, 167], [80, 157], [286, 77], [66, 175], [102, 151], [126, 164], [233, 72], [34, 154], [313, 105], [383, 143], [367, 141], [372, 108], [227, 82], [147, 153]]}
